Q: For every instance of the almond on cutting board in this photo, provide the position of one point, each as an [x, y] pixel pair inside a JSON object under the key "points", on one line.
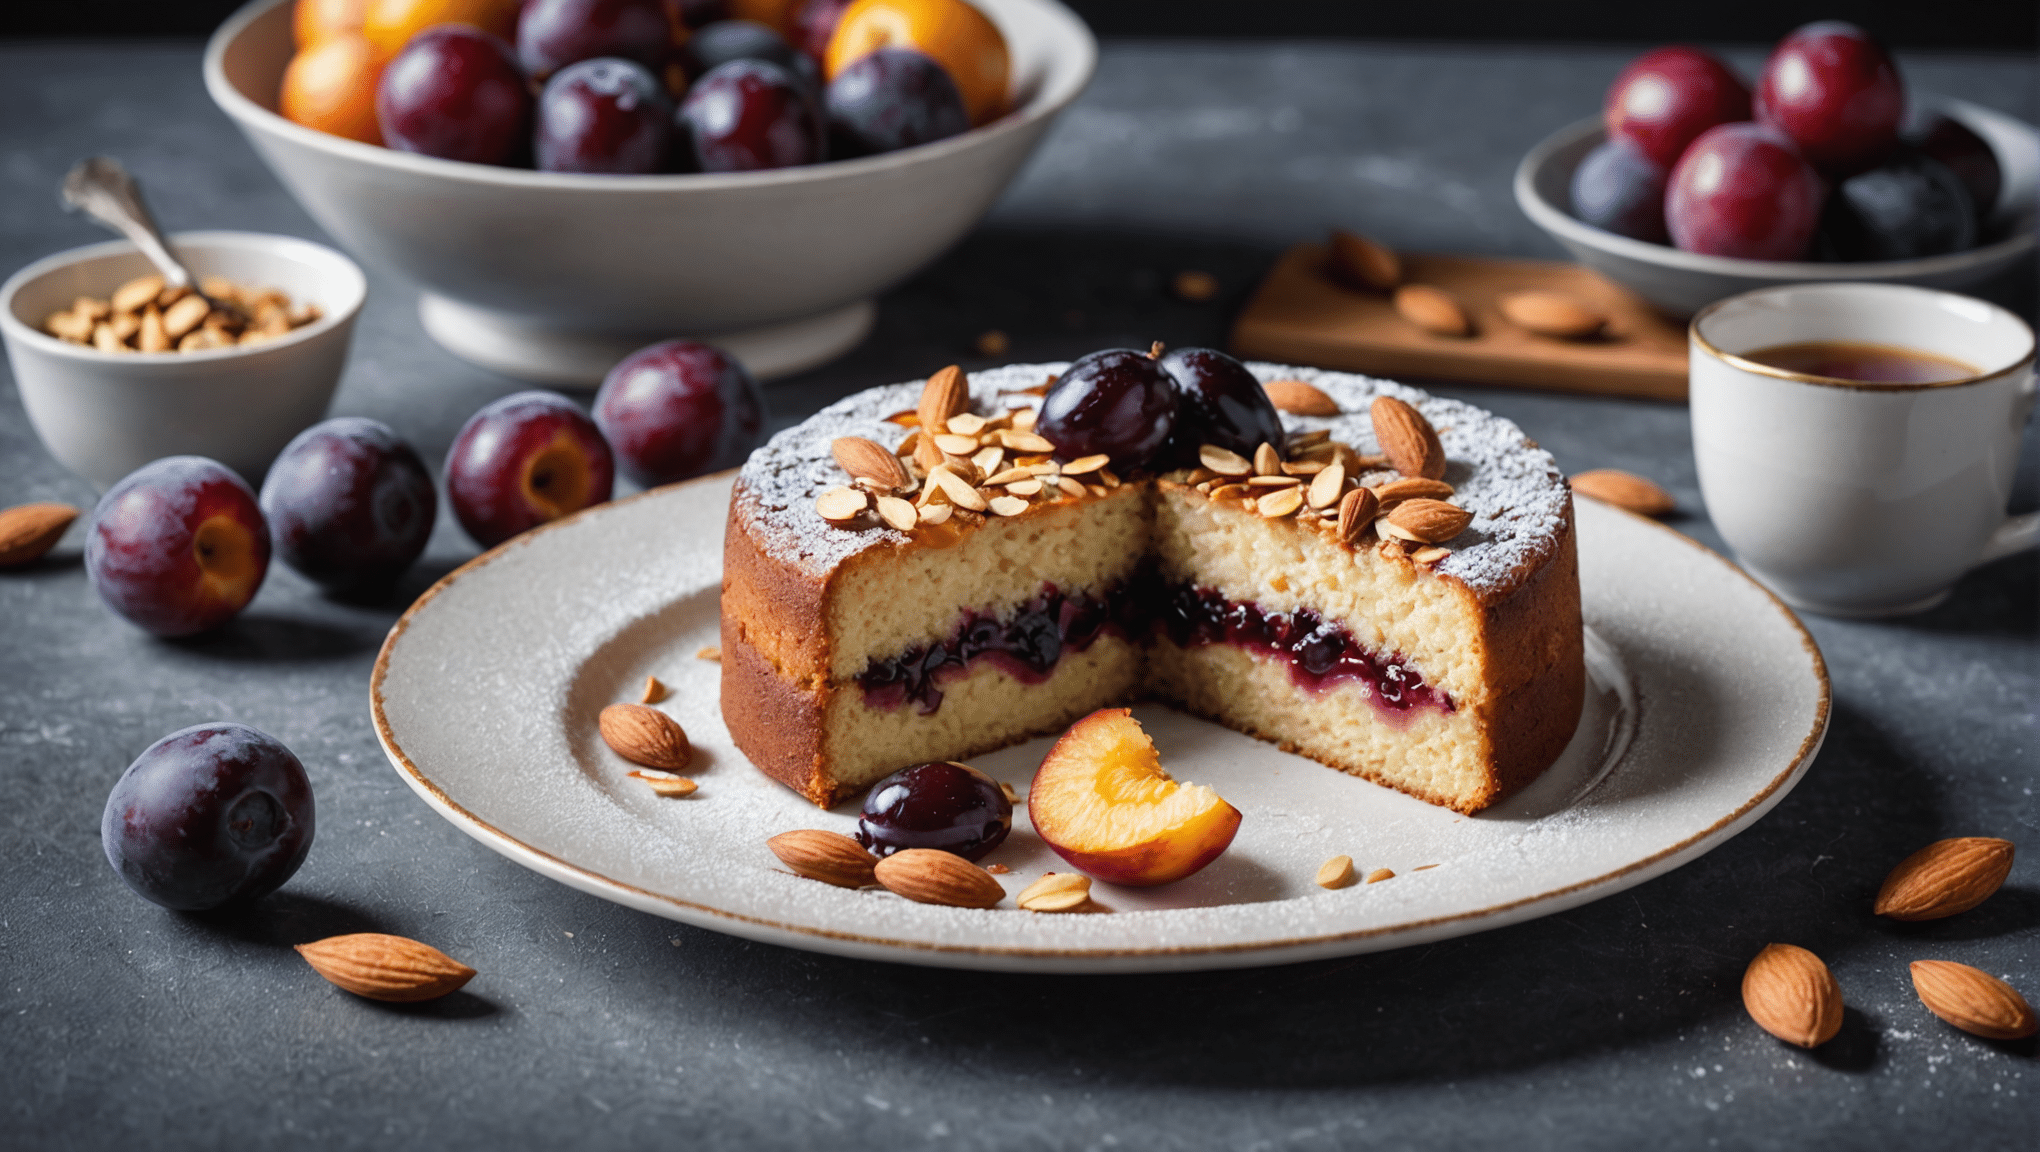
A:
{"points": [[1432, 309], [1552, 314], [1362, 263]]}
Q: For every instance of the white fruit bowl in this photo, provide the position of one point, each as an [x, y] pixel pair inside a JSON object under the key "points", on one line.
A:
{"points": [[1682, 283], [553, 277]]}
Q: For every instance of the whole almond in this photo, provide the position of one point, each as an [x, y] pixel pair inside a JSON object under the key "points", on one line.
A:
{"points": [[945, 394], [869, 460], [1407, 439], [1356, 511], [1300, 399], [1973, 1000], [1944, 878], [1428, 521], [1625, 490], [1056, 892], [1793, 996], [830, 857], [1362, 263], [645, 736], [381, 967], [1551, 314], [1410, 488], [27, 531], [932, 876], [1432, 309]]}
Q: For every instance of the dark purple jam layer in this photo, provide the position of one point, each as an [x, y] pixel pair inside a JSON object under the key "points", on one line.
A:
{"points": [[1320, 654], [1028, 643]]}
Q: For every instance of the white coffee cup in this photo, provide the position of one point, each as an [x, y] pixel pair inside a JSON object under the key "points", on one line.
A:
{"points": [[1854, 499]]}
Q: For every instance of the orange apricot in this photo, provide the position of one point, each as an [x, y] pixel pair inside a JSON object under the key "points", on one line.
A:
{"points": [[331, 87], [315, 20], [774, 14], [390, 24], [960, 38]]}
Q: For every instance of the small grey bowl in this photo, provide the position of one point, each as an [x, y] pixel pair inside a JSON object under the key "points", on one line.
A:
{"points": [[1682, 283]]}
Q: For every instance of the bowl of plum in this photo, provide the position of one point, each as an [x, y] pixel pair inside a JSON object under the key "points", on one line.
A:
{"points": [[1692, 185], [567, 181]]}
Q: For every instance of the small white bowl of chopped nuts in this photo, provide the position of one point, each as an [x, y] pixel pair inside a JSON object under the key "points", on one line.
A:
{"points": [[115, 371]]}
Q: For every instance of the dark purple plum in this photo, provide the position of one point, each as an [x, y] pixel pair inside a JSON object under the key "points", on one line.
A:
{"points": [[1966, 154], [605, 115], [1744, 190], [1668, 96], [529, 458], [1910, 207], [215, 814], [750, 115], [552, 34], [947, 806], [1118, 403], [349, 504], [1834, 89], [679, 409], [892, 99], [178, 546], [727, 40], [813, 24], [1618, 189], [455, 92], [1218, 402]]}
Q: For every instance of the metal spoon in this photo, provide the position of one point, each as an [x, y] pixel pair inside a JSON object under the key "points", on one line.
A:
{"points": [[103, 190]]}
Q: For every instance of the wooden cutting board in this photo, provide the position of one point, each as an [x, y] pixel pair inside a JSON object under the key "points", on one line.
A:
{"points": [[1299, 315]]}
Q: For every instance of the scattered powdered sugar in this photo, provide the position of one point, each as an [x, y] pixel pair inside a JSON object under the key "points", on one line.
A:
{"points": [[1514, 489]]}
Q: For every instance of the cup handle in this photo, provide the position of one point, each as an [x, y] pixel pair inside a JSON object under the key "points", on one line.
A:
{"points": [[2016, 534]]}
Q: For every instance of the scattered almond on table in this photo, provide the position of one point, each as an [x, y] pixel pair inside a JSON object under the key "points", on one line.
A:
{"points": [[1973, 1000], [143, 315], [1791, 994], [1945, 878], [382, 967], [27, 531]]}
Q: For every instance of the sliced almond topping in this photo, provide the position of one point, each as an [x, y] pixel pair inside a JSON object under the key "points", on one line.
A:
{"points": [[1430, 555], [934, 513], [1309, 467], [988, 460], [926, 454], [1024, 418], [655, 691], [840, 504], [1302, 440], [1070, 487], [906, 448], [957, 445], [966, 424], [906, 418], [1280, 502], [1380, 874], [1267, 461], [1009, 476], [1007, 505], [1083, 464], [1028, 487], [1024, 441], [956, 488], [1327, 486], [898, 513], [1336, 873], [1199, 475], [1356, 511], [667, 783], [1229, 491], [868, 460], [1056, 892], [1300, 399], [1224, 461], [1273, 481], [1108, 478]]}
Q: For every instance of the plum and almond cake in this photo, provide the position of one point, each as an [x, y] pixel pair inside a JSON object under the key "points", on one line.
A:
{"points": [[1378, 579]]}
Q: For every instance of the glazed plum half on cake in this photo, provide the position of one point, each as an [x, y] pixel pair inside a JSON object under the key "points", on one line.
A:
{"points": [[1378, 579]]}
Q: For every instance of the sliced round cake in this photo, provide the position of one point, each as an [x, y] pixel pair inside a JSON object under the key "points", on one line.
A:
{"points": [[917, 574]]}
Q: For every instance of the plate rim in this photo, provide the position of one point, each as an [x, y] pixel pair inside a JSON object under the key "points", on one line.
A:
{"points": [[595, 883]]}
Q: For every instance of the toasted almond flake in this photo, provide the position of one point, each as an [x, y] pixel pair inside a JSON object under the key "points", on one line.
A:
{"points": [[1205, 486], [1006, 790], [1009, 476], [897, 512], [1083, 464], [1327, 486], [1430, 555], [956, 488], [1274, 481], [997, 869], [1280, 502], [988, 460], [667, 783], [1028, 487], [966, 424], [1267, 461], [1336, 873], [1056, 892], [1199, 475], [710, 652], [1024, 418], [1380, 874], [927, 455], [905, 418], [655, 691], [1307, 467], [1229, 491], [1070, 487], [1108, 477], [840, 504], [1020, 441], [957, 445], [1224, 461], [1007, 505], [906, 447], [934, 513], [1098, 490], [1301, 440]]}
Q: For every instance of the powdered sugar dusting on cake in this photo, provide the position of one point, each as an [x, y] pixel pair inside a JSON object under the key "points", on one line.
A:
{"points": [[1514, 490]]}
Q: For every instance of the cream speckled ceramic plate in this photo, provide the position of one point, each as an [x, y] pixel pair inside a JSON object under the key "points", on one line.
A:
{"points": [[1707, 701]]}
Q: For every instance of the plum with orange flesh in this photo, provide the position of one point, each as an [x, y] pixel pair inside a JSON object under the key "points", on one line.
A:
{"points": [[526, 459], [1103, 802], [178, 546]]}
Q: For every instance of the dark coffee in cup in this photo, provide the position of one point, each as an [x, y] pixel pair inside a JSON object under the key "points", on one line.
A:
{"points": [[1862, 363]]}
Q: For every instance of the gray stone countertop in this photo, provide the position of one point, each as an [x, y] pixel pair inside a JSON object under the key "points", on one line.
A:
{"points": [[1615, 1025]]}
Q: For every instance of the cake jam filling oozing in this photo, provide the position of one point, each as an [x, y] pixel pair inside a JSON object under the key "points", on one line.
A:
{"points": [[1028, 643], [1320, 654]]}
